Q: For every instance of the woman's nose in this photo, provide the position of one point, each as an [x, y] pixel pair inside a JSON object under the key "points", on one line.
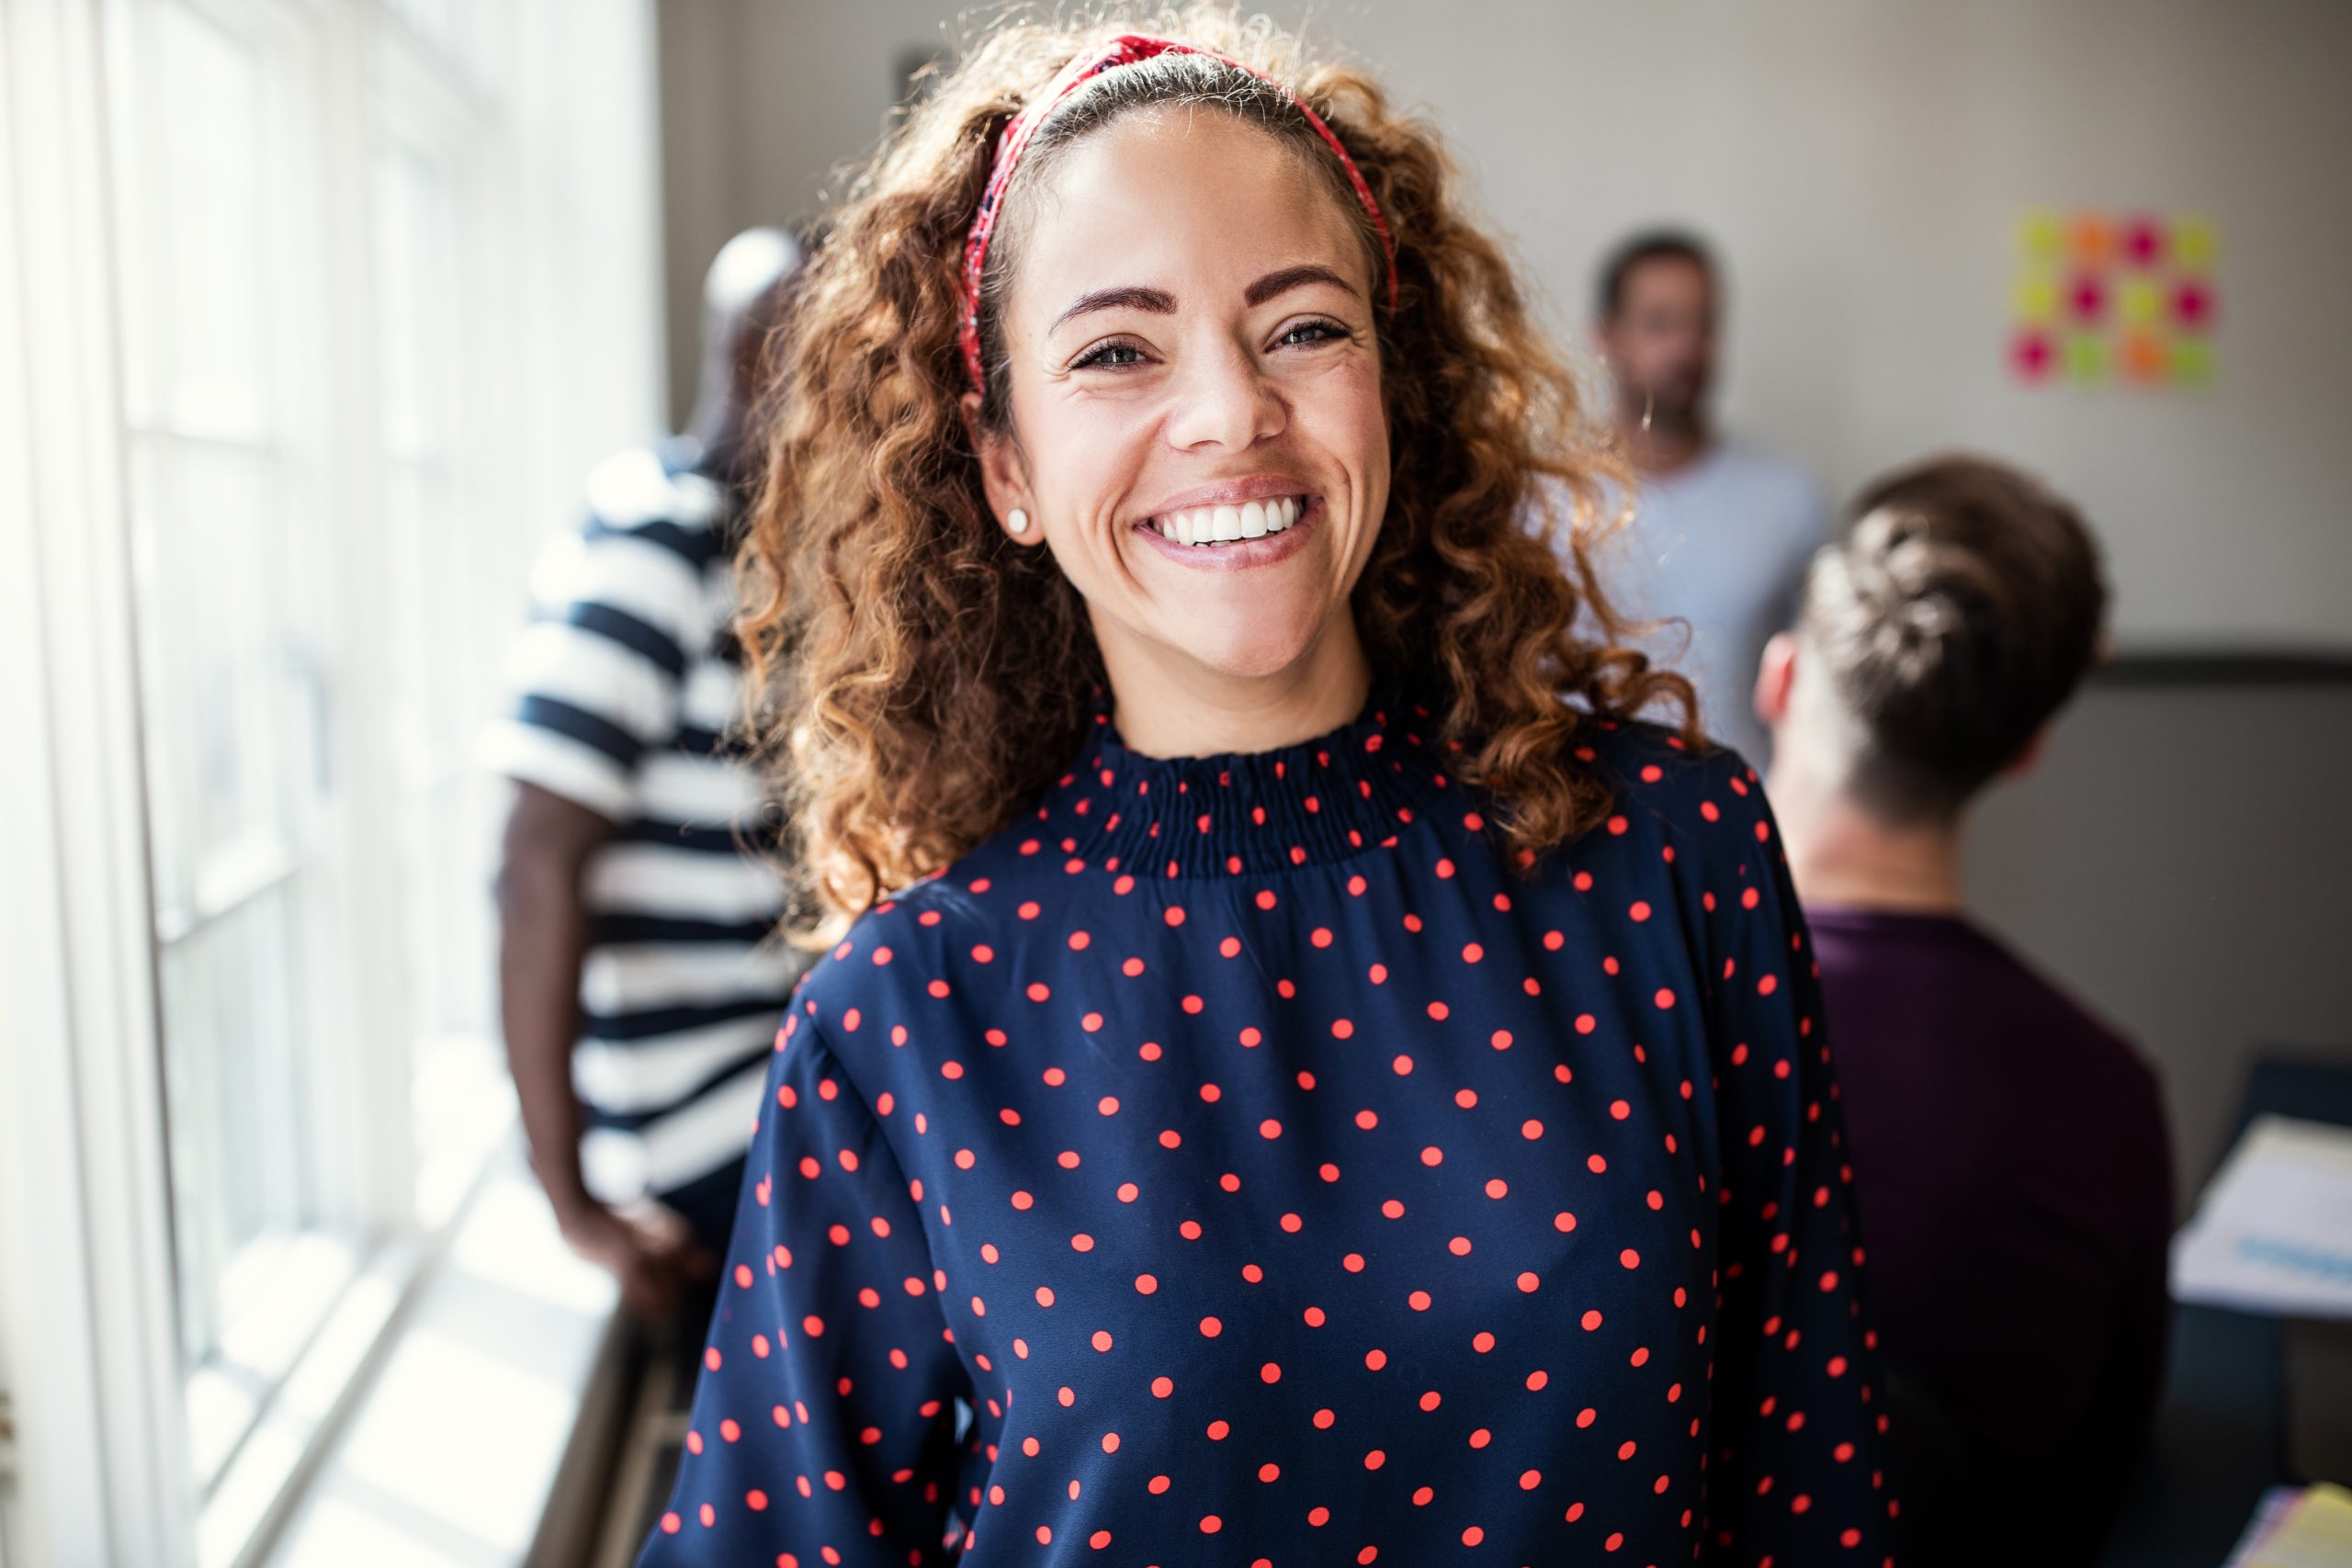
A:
{"points": [[1225, 399]]}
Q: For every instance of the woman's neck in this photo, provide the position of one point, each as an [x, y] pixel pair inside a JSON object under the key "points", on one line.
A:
{"points": [[1842, 858], [1167, 705]]}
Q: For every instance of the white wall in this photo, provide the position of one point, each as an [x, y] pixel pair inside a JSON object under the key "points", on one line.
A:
{"points": [[1862, 163]]}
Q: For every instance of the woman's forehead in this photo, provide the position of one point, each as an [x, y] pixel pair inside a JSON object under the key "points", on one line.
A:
{"points": [[1181, 200]]}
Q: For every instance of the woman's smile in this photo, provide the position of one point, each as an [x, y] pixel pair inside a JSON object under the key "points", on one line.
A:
{"points": [[1232, 537]]}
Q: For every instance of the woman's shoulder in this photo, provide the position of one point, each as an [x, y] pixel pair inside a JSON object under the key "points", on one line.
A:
{"points": [[1653, 767], [918, 942], [1675, 808]]}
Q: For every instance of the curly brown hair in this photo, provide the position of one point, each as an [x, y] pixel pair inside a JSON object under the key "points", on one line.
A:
{"points": [[917, 679]]}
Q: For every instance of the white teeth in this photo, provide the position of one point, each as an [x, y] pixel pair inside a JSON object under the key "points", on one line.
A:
{"points": [[1206, 526]]}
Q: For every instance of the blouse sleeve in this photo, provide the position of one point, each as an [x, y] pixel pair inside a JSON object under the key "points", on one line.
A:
{"points": [[1797, 1472], [823, 1425]]}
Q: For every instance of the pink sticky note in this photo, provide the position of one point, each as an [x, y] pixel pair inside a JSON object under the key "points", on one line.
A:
{"points": [[2193, 303], [2087, 298], [2031, 354]]}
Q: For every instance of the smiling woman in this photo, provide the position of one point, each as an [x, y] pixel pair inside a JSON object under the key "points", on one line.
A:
{"points": [[1149, 425], [1298, 1061], [1175, 259]]}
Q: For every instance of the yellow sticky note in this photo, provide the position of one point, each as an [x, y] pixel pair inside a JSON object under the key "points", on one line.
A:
{"points": [[2194, 244], [2038, 236], [2140, 301], [2035, 298]]}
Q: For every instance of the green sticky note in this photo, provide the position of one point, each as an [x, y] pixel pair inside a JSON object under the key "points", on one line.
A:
{"points": [[2087, 357], [2192, 361]]}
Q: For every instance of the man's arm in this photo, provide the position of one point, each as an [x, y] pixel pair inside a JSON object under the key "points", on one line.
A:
{"points": [[542, 941]]}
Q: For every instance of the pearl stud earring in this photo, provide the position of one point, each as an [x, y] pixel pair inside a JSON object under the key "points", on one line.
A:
{"points": [[1017, 520]]}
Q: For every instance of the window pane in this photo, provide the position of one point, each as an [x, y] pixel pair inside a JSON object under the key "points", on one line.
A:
{"points": [[206, 137], [416, 273], [433, 514], [225, 690], [235, 1073], [234, 693]]}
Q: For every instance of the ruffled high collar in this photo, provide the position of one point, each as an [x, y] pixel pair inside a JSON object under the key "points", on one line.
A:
{"points": [[1318, 801]]}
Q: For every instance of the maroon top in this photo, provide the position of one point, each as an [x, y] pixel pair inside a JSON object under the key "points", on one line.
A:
{"points": [[2015, 1183]]}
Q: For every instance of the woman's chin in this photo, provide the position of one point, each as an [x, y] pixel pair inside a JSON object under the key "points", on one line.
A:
{"points": [[1243, 646]]}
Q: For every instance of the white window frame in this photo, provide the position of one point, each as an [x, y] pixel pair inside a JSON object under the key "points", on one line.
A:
{"points": [[312, 440], [84, 1207], [91, 1379]]}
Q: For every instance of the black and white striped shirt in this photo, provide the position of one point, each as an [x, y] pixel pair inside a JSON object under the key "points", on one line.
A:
{"points": [[627, 689]]}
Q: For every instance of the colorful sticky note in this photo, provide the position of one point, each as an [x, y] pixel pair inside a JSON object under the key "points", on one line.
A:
{"points": [[2089, 241], [2192, 304], [2086, 297], [2194, 244], [2124, 296], [2087, 357], [2144, 356], [2192, 362], [2035, 298], [2031, 354], [2038, 236]]}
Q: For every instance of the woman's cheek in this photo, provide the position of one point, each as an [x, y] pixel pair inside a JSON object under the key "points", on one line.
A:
{"points": [[1098, 453]]}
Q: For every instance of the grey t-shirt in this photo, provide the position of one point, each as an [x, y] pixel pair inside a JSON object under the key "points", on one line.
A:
{"points": [[1722, 544]]}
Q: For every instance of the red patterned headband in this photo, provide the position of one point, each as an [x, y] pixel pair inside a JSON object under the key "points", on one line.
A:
{"points": [[1125, 49]]}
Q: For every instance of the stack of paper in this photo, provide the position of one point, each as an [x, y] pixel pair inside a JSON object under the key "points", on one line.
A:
{"points": [[2274, 1232]]}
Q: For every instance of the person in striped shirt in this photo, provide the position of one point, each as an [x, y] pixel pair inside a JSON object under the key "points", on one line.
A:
{"points": [[640, 973]]}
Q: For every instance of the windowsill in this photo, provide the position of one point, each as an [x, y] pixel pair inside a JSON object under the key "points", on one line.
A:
{"points": [[476, 1436]]}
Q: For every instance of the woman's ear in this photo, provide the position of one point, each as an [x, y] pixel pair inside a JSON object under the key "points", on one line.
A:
{"points": [[1001, 475], [1776, 678]]}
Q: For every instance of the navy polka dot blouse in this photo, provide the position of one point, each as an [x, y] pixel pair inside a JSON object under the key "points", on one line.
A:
{"points": [[1233, 1162]]}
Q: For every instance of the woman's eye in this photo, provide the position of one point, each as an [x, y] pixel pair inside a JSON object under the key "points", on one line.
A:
{"points": [[1310, 332], [1111, 355]]}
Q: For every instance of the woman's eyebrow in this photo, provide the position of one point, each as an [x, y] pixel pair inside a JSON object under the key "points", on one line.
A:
{"points": [[1292, 277], [1157, 300]]}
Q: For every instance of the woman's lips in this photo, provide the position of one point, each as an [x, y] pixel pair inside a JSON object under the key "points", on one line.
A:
{"points": [[1238, 554]]}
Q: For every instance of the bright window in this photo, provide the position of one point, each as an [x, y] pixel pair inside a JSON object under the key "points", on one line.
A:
{"points": [[222, 238], [346, 418]]}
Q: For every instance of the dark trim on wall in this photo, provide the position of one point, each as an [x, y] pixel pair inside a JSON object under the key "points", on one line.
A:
{"points": [[2225, 667]]}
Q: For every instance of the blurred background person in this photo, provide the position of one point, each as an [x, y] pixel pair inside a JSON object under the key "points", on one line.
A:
{"points": [[1721, 530], [2009, 1147], [640, 982]]}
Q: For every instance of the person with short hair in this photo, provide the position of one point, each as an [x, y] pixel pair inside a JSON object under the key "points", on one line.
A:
{"points": [[640, 974], [2009, 1147], [1296, 1058], [1722, 528]]}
